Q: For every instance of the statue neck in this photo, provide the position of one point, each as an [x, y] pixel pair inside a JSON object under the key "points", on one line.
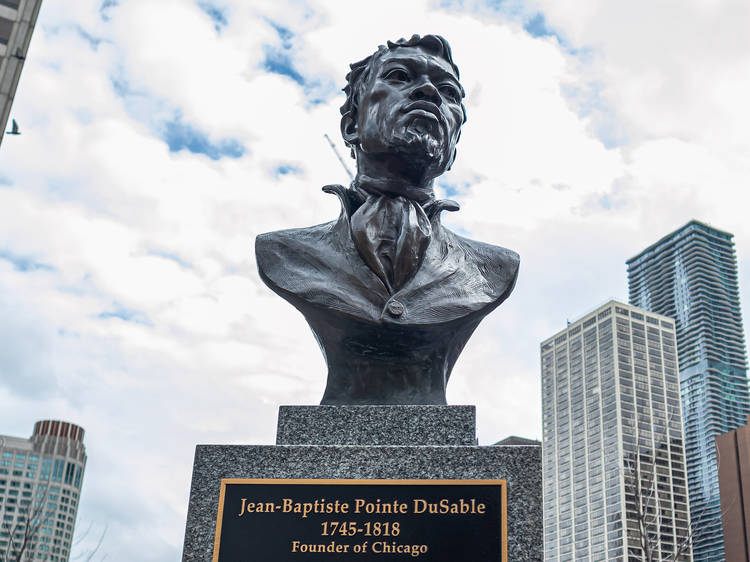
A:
{"points": [[387, 176], [391, 186]]}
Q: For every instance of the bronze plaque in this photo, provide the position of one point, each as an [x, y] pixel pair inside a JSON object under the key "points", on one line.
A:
{"points": [[275, 520]]}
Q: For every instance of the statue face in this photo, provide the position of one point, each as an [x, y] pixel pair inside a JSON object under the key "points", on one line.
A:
{"points": [[411, 104]]}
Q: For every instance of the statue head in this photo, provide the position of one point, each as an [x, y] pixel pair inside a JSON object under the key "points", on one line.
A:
{"points": [[405, 102]]}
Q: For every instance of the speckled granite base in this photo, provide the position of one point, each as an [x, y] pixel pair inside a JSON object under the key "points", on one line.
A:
{"points": [[376, 425], [521, 466]]}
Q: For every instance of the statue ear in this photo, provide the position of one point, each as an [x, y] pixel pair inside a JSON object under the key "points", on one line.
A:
{"points": [[452, 160], [453, 156], [349, 130]]}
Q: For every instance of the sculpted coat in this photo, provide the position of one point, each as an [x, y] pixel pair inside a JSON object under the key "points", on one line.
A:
{"points": [[381, 347]]}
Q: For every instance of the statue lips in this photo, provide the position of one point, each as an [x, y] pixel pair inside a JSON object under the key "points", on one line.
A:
{"points": [[427, 112], [426, 108]]}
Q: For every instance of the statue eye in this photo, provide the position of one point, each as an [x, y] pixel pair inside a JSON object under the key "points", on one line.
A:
{"points": [[450, 92], [396, 75]]}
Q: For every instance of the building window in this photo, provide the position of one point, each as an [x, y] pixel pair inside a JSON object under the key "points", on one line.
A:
{"points": [[58, 472], [6, 26], [46, 465], [69, 472]]}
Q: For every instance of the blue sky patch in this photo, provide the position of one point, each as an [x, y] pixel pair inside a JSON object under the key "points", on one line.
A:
{"points": [[499, 7], [90, 39], [454, 190], [588, 101], [83, 115], [451, 190], [286, 170], [180, 136], [283, 32], [217, 15], [460, 230], [167, 123], [120, 86], [24, 263], [105, 8], [139, 103], [65, 333], [454, 4], [172, 257], [519, 11], [610, 132], [84, 286], [614, 200], [318, 92], [278, 61], [126, 314], [611, 201], [537, 27], [605, 202]]}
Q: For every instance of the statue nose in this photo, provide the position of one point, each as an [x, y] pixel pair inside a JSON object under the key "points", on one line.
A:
{"points": [[426, 91]]}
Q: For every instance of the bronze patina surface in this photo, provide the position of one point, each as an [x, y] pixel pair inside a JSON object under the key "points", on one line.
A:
{"points": [[391, 295]]}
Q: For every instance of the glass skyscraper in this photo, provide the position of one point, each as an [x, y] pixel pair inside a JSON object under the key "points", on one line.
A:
{"points": [[691, 275], [17, 21], [612, 450], [40, 485]]}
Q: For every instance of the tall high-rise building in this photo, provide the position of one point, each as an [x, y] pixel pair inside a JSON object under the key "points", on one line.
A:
{"points": [[17, 20], [691, 276], [612, 448], [40, 485]]}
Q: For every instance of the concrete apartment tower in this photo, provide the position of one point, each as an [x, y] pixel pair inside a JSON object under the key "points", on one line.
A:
{"points": [[733, 449], [612, 444], [40, 486], [691, 275], [17, 21]]}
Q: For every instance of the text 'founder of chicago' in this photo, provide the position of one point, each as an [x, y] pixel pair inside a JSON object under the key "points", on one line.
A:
{"points": [[391, 295]]}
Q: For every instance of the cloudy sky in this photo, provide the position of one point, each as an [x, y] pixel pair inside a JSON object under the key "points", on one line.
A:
{"points": [[159, 138]]}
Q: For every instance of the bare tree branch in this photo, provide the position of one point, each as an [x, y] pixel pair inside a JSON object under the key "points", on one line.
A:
{"points": [[643, 490], [98, 544], [88, 555], [30, 523]]}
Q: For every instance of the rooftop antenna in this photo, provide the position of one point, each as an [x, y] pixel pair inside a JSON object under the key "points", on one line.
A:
{"points": [[336, 152]]}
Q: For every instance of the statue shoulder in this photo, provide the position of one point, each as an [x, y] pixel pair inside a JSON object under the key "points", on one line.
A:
{"points": [[492, 254], [498, 265], [269, 244], [288, 259]]}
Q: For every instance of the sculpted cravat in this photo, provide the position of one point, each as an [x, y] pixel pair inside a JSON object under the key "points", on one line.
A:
{"points": [[391, 234]]}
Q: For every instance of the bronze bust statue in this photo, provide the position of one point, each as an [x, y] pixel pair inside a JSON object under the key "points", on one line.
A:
{"points": [[391, 295]]}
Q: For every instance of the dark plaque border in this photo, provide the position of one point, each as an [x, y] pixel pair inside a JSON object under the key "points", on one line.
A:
{"points": [[502, 483]]}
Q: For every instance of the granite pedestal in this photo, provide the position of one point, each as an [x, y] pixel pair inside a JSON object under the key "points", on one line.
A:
{"points": [[372, 442]]}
